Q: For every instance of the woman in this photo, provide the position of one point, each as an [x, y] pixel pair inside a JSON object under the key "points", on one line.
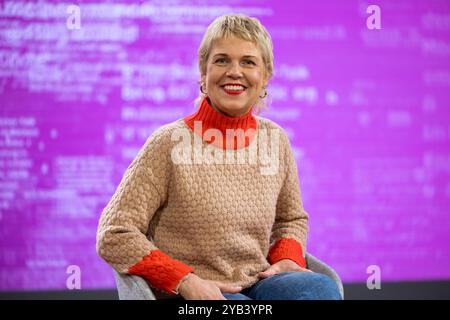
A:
{"points": [[211, 208]]}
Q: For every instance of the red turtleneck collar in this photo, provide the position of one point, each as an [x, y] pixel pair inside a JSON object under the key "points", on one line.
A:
{"points": [[209, 118]]}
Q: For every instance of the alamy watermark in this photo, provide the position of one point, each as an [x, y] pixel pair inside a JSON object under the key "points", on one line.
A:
{"points": [[73, 22], [374, 20], [74, 279], [374, 280], [263, 150]]}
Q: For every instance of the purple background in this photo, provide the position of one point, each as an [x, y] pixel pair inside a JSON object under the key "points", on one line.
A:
{"points": [[367, 112]]}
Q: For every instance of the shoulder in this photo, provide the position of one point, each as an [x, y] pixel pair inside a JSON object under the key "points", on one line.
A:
{"points": [[164, 132], [273, 127], [160, 142], [162, 136], [286, 153]]}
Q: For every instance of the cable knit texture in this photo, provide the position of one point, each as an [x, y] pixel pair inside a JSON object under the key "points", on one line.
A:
{"points": [[217, 220]]}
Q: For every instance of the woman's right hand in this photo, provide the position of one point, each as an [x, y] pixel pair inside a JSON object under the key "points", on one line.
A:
{"points": [[196, 288]]}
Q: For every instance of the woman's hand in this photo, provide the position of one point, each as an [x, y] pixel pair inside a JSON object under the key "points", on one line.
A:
{"points": [[283, 265], [196, 288]]}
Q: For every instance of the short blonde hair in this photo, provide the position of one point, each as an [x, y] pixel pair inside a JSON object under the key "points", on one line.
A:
{"points": [[243, 27]]}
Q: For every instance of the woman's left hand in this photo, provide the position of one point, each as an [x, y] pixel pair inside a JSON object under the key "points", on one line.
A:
{"points": [[283, 265]]}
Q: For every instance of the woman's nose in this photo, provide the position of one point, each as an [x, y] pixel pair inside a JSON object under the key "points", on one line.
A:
{"points": [[234, 71]]}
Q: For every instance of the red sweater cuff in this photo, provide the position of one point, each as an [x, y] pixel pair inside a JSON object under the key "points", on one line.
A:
{"points": [[160, 270], [287, 248]]}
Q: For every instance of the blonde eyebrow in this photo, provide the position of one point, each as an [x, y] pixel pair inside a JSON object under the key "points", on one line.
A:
{"points": [[226, 55]]}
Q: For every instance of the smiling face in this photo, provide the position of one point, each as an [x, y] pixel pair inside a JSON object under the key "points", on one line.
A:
{"points": [[235, 75]]}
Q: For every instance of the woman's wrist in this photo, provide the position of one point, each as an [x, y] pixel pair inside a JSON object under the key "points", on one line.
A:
{"points": [[187, 283], [182, 281]]}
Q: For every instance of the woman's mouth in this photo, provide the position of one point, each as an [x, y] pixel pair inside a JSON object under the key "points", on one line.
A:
{"points": [[233, 89]]}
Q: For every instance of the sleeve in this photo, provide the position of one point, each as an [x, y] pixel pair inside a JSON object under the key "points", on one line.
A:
{"points": [[290, 229], [124, 222]]}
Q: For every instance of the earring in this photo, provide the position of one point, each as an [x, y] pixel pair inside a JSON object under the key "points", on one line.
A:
{"points": [[201, 88], [265, 94]]}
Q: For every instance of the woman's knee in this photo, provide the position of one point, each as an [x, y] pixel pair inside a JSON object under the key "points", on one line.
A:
{"points": [[322, 287], [296, 286], [314, 286]]}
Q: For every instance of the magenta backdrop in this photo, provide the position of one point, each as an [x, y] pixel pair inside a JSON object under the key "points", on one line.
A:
{"points": [[367, 112]]}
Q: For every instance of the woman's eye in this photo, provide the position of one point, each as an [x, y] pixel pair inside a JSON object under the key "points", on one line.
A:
{"points": [[249, 62], [220, 60]]}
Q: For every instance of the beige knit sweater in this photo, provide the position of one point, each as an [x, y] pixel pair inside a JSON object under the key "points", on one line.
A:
{"points": [[218, 220]]}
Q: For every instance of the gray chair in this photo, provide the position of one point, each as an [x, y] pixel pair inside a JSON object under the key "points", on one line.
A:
{"points": [[132, 287]]}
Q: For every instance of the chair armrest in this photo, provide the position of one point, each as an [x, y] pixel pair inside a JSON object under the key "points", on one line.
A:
{"points": [[131, 287], [315, 265]]}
